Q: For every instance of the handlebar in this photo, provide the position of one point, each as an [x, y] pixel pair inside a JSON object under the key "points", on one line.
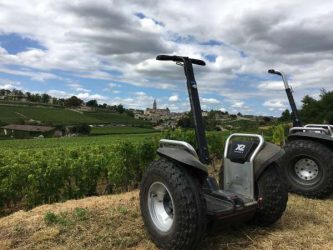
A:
{"points": [[284, 79], [179, 59], [273, 71]]}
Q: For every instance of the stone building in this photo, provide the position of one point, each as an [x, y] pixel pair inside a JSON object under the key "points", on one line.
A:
{"points": [[154, 114]]}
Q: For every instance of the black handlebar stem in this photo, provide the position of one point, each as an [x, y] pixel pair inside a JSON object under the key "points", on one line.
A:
{"points": [[296, 119], [194, 101]]}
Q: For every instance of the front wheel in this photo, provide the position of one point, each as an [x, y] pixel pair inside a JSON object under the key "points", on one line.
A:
{"points": [[172, 205], [309, 168], [272, 196]]}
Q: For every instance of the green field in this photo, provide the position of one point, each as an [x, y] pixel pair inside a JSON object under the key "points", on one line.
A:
{"points": [[114, 118], [72, 142], [56, 116], [120, 130]]}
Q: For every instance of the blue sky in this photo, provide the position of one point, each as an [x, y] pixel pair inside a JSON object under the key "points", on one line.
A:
{"points": [[106, 50]]}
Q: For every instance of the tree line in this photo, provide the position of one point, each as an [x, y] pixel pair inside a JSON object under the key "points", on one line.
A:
{"points": [[314, 110], [71, 102]]}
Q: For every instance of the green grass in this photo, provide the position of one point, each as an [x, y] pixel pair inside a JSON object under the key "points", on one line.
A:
{"points": [[57, 116], [115, 118], [11, 114], [120, 130]]}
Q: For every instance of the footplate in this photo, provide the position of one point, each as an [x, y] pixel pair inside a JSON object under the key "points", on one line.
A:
{"points": [[221, 204]]}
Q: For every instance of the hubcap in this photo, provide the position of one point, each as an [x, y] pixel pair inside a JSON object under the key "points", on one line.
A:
{"points": [[306, 169], [160, 206]]}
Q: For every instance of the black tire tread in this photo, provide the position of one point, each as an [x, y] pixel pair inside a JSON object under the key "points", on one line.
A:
{"points": [[326, 157], [192, 209], [274, 194]]}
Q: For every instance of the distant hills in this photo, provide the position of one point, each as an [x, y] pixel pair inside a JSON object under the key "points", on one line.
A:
{"points": [[50, 115]]}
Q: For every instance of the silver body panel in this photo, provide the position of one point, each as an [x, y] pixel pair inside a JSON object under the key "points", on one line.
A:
{"points": [[239, 177], [325, 126], [318, 130]]}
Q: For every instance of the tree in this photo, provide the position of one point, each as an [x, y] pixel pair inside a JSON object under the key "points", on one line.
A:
{"points": [[266, 119], [28, 96], [4, 92], [35, 98], [186, 121], [285, 116], [92, 103], [61, 101], [120, 109], [129, 113], [73, 102], [82, 129], [329, 117], [310, 109], [45, 98]]}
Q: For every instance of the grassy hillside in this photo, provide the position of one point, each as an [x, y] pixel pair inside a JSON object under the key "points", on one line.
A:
{"points": [[115, 118], [9, 114], [120, 130], [51, 115], [114, 222]]}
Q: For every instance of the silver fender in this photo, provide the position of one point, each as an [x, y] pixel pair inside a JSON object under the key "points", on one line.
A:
{"points": [[182, 157], [268, 155]]}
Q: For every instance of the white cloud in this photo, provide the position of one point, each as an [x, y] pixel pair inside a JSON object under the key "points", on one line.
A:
{"points": [[174, 98], [59, 93], [74, 85], [210, 101], [105, 40], [238, 104], [112, 85], [271, 85], [140, 93], [37, 76], [275, 104], [9, 84]]}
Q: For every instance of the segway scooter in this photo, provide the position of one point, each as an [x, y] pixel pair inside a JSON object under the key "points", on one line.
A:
{"points": [[308, 162], [178, 198]]}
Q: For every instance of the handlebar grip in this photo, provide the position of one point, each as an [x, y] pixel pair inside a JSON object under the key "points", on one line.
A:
{"points": [[167, 58], [198, 62], [273, 71]]}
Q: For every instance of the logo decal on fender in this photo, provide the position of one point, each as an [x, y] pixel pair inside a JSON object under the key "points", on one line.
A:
{"points": [[240, 148]]}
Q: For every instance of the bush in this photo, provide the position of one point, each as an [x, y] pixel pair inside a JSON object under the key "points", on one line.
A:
{"points": [[83, 129], [278, 135]]}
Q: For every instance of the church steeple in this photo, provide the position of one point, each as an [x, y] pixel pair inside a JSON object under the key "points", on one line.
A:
{"points": [[154, 105]]}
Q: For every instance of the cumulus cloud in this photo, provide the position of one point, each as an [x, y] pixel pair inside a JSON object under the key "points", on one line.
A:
{"points": [[9, 84], [238, 104], [108, 40], [276, 104], [174, 98], [210, 101]]}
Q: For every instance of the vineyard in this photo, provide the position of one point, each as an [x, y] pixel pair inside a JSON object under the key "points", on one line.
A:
{"points": [[34, 172], [120, 130], [56, 116]]}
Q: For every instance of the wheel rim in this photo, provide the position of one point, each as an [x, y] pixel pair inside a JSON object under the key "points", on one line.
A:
{"points": [[160, 206], [306, 169]]}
